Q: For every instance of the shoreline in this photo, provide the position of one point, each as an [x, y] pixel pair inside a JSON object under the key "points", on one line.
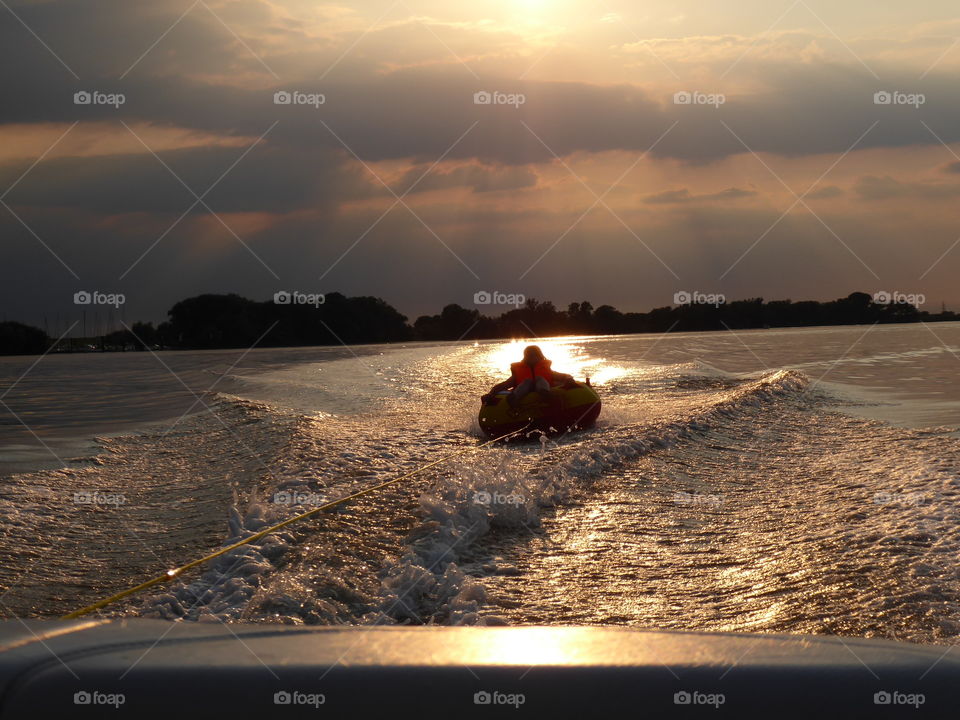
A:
{"points": [[406, 343]]}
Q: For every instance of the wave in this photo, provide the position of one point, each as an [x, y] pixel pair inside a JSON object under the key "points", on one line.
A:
{"points": [[277, 577]]}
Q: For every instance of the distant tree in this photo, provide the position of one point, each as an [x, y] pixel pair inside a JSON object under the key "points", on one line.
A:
{"points": [[166, 335], [453, 322], [118, 340], [145, 335], [19, 339], [580, 317], [210, 321], [859, 299], [607, 319]]}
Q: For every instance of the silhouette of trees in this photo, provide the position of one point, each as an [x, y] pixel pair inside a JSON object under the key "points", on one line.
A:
{"points": [[209, 321], [580, 318], [222, 321], [19, 339], [454, 323]]}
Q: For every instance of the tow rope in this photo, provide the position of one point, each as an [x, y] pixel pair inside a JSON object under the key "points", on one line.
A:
{"points": [[177, 572]]}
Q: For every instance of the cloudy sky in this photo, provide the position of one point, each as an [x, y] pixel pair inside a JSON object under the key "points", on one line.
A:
{"points": [[776, 148]]}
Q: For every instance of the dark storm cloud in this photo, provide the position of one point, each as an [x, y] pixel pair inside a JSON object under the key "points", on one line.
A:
{"points": [[270, 178], [805, 108], [106, 38]]}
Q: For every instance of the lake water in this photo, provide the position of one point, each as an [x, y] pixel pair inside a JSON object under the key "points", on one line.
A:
{"points": [[800, 480]]}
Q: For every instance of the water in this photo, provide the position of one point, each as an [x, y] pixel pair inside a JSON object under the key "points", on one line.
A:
{"points": [[771, 481]]}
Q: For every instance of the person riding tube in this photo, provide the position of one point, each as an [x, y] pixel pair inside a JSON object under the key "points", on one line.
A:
{"points": [[532, 374]]}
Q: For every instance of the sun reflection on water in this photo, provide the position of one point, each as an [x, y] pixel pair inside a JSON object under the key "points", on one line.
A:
{"points": [[569, 355]]}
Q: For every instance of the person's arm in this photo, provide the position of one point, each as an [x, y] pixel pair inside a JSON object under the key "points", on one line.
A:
{"points": [[563, 378], [500, 387]]}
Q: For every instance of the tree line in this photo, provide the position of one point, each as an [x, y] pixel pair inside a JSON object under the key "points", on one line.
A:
{"points": [[226, 321]]}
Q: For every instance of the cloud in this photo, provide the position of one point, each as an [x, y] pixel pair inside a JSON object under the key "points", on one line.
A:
{"points": [[671, 197], [825, 193], [668, 197], [872, 187], [268, 178], [304, 199], [479, 179], [201, 77]]}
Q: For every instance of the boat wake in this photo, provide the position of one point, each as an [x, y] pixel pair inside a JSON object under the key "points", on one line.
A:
{"points": [[348, 569]]}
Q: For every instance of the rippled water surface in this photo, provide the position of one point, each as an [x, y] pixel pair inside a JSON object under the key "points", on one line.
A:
{"points": [[796, 480]]}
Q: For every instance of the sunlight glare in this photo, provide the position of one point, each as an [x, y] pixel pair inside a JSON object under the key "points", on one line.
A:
{"points": [[568, 356]]}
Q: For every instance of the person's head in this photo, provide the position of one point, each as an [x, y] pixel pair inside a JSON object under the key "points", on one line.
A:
{"points": [[532, 354]]}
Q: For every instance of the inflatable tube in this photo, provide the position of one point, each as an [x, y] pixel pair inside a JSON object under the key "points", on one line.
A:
{"points": [[572, 407]]}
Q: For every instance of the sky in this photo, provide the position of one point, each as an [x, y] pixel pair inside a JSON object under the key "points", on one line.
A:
{"points": [[629, 151]]}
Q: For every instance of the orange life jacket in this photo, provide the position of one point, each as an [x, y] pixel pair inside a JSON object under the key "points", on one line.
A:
{"points": [[522, 371]]}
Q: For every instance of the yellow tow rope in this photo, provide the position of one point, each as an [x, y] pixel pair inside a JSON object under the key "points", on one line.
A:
{"points": [[176, 572]]}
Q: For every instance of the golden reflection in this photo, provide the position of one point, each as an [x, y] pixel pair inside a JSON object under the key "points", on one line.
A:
{"points": [[569, 355], [528, 646]]}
